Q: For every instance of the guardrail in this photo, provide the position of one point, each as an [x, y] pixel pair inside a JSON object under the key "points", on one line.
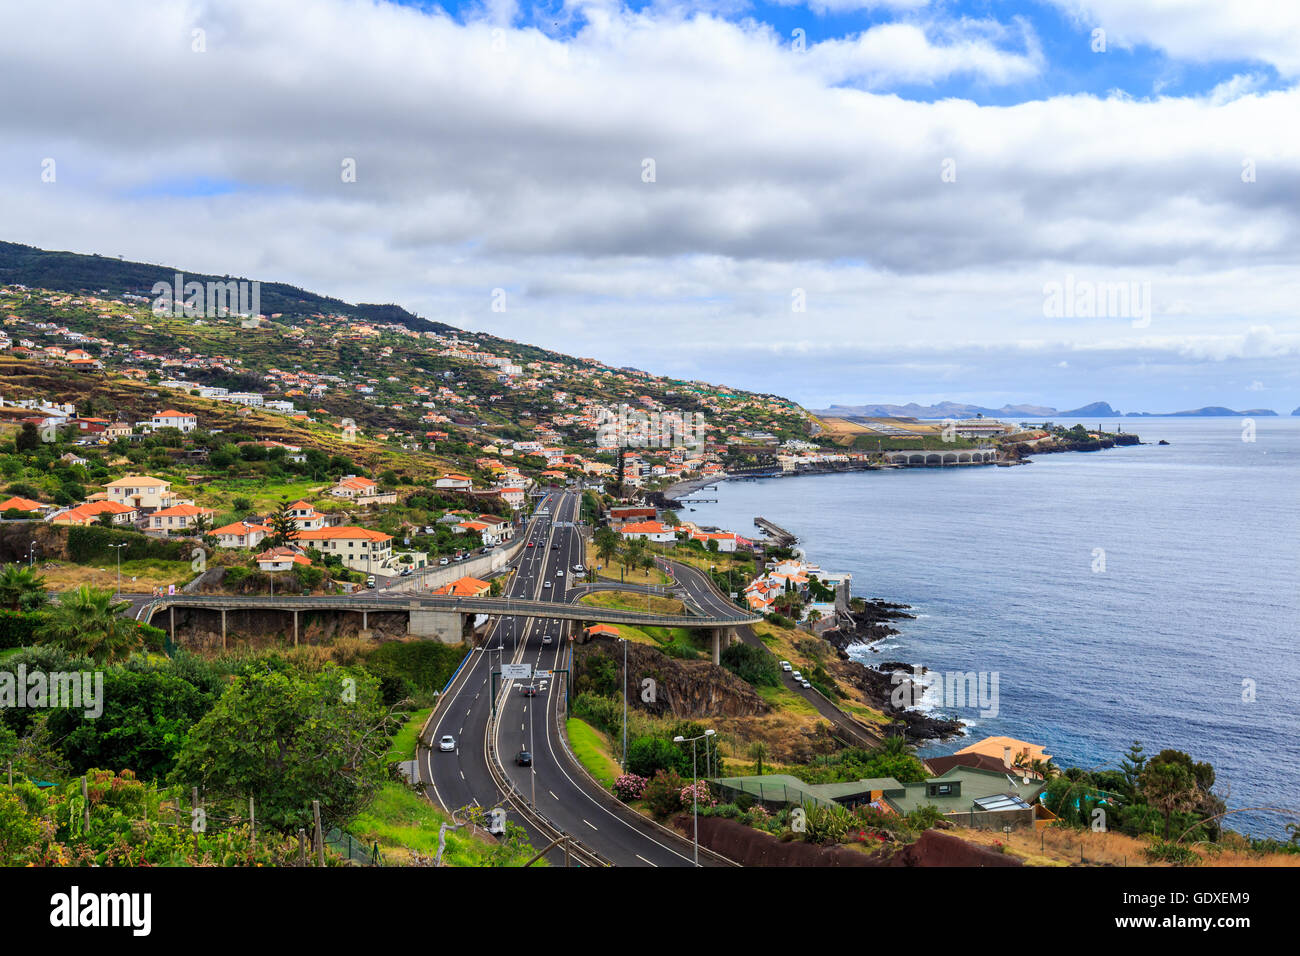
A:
{"points": [[504, 607]]}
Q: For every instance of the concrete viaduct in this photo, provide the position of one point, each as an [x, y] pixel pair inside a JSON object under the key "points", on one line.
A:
{"points": [[937, 459], [438, 616]]}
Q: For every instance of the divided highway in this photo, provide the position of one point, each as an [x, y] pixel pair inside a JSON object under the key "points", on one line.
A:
{"points": [[553, 788]]}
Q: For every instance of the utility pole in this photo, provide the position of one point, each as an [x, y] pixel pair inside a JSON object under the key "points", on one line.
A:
{"points": [[318, 837], [118, 548], [624, 640]]}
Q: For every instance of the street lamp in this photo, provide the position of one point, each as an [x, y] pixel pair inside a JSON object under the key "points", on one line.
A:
{"points": [[695, 786], [31, 552], [623, 641], [118, 548]]}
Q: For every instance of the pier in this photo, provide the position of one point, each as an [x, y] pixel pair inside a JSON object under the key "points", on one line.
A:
{"points": [[778, 534]]}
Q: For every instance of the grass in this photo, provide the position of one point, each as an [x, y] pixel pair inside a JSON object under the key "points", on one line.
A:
{"points": [[786, 700], [137, 576], [403, 745], [632, 601], [591, 747], [616, 572], [405, 823]]}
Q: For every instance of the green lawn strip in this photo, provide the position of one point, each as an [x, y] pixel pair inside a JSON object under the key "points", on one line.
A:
{"points": [[592, 750], [784, 699], [403, 745], [401, 820]]}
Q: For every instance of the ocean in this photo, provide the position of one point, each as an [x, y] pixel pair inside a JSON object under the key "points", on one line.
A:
{"points": [[1143, 593]]}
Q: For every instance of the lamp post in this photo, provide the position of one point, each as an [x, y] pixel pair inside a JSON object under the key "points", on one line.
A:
{"points": [[118, 548], [695, 787], [623, 641], [31, 552]]}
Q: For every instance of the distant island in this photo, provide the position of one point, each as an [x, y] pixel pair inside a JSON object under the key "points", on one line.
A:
{"points": [[959, 410]]}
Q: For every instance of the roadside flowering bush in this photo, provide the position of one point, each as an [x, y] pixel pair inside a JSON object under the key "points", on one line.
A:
{"points": [[700, 790], [663, 794], [630, 786]]}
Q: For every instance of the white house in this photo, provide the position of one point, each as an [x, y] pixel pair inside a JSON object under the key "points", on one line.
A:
{"points": [[171, 418]]}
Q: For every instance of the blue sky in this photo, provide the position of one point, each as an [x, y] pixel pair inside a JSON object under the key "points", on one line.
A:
{"points": [[878, 213]]}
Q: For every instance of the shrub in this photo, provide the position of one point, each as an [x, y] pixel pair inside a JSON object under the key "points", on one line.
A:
{"points": [[752, 665], [699, 791], [629, 786], [663, 794], [17, 627]]}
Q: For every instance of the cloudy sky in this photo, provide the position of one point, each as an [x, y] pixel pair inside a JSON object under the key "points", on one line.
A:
{"points": [[836, 200]]}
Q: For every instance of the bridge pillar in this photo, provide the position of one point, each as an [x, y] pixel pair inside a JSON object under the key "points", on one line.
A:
{"points": [[223, 628], [446, 626], [295, 628], [172, 611], [717, 645]]}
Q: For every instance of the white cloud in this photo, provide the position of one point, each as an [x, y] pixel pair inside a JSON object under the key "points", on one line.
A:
{"points": [[1208, 31], [522, 169]]}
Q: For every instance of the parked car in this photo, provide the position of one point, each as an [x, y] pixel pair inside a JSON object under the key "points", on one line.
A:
{"points": [[370, 581], [579, 569], [796, 676], [407, 572], [785, 666], [524, 758], [443, 561], [447, 744], [805, 685]]}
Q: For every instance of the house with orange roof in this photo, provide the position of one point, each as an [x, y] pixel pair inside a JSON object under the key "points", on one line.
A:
{"points": [[142, 492], [89, 513], [282, 559], [454, 482], [648, 531], [177, 518], [305, 516], [358, 548], [241, 534], [601, 630], [363, 491], [465, 587], [1009, 750], [171, 418], [23, 504]]}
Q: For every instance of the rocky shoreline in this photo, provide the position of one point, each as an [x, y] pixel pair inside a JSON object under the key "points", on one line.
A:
{"points": [[871, 624]]}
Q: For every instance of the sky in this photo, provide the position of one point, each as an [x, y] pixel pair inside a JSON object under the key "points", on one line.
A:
{"points": [[839, 201]]}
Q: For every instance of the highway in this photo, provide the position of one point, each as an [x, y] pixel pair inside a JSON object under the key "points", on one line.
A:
{"points": [[565, 798], [698, 589]]}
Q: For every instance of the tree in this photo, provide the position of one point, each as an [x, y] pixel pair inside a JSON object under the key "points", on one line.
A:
{"points": [[28, 438], [283, 529], [286, 740], [1170, 788], [21, 589], [1131, 765], [89, 623], [757, 751], [607, 543]]}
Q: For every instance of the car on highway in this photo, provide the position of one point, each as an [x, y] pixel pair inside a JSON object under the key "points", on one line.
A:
{"points": [[528, 690], [546, 638], [370, 581], [547, 584], [556, 546], [447, 744], [579, 569], [532, 544], [524, 759], [560, 573], [785, 666]]}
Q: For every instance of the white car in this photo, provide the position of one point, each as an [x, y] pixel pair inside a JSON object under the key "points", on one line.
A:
{"points": [[578, 569], [546, 638], [805, 685], [559, 574], [447, 744], [785, 666], [547, 584], [796, 676]]}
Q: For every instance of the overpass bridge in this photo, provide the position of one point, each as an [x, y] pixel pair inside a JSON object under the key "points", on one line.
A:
{"points": [[436, 616]]}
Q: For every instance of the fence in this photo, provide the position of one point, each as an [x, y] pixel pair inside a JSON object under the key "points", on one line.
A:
{"points": [[350, 848], [771, 796]]}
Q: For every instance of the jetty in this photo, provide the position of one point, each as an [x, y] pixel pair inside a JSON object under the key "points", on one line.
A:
{"points": [[778, 534]]}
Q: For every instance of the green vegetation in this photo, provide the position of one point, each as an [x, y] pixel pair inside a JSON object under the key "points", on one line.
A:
{"points": [[592, 751]]}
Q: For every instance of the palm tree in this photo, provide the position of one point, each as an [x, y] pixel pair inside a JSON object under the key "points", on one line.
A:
{"points": [[607, 542], [21, 589], [89, 623], [894, 746]]}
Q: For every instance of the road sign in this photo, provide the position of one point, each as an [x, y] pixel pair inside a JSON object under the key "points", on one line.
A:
{"points": [[541, 673], [516, 671]]}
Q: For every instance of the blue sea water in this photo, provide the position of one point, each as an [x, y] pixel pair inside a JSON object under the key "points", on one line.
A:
{"points": [[1197, 606]]}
